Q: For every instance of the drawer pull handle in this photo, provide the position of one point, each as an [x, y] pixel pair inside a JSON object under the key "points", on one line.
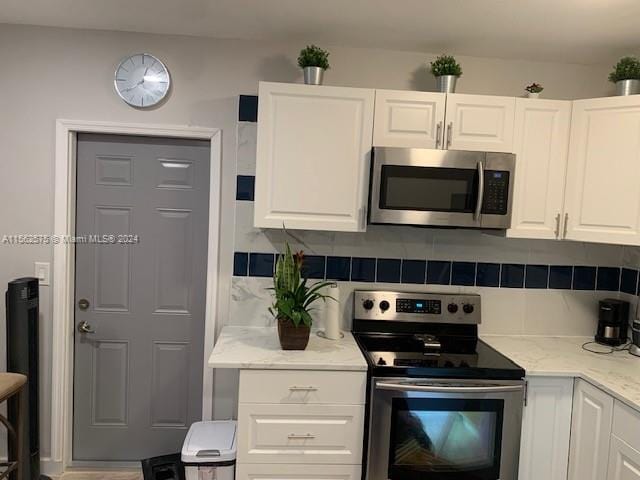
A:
{"points": [[306, 436], [303, 389]]}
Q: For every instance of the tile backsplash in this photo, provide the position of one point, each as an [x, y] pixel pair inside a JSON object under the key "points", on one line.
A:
{"points": [[528, 286]]}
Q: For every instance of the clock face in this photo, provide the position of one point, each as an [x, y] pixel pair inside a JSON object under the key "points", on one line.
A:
{"points": [[142, 80]]}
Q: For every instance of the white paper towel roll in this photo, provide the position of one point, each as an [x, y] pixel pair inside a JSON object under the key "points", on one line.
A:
{"points": [[332, 313]]}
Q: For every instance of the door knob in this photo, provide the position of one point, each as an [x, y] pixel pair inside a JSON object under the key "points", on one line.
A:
{"points": [[83, 304], [84, 327]]}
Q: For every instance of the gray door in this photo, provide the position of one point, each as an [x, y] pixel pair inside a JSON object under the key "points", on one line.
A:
{"points": [[138, 370]]}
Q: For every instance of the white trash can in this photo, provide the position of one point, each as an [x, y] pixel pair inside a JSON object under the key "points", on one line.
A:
{"points": [[209, 451]]}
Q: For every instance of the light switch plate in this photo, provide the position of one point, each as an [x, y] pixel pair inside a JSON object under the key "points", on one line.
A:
{"points": [[42, 272]]}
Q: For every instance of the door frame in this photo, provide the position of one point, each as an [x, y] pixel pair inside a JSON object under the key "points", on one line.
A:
{"points": [[64, 269]]}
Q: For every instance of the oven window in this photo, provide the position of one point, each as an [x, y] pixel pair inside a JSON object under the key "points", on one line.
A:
{"points": [[448, 439], [428, 188]]}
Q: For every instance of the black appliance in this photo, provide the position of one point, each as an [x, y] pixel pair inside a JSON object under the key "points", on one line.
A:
{"points": [[613, 322], [441, 403], [22, 357]]}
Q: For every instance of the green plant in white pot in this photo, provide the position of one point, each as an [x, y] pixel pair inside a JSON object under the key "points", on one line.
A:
{"points": [[293, 300], [447, 71], [626, 76], [534, 90], [313, 61]]}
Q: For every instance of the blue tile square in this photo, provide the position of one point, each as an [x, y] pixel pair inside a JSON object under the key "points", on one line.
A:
{"points": [[608, 279], [463, 273], [261, 264], [439, 272], [245, 187], [388, 270], [313, 266], [248, 108], [413, 271], [338, 268], [488, 275], [584, 278], [512, 275], [536, 276], [629, 281], [363, 269], [240, 264], [560, 277]]}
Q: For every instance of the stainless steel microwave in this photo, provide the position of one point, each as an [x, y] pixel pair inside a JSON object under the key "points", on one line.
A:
{"points": [[441, 188]]}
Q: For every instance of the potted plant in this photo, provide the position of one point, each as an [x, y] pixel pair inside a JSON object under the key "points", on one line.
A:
{"points": [[313, 61], [626, 76], [447, 71], [533, 90], [293, 300]]}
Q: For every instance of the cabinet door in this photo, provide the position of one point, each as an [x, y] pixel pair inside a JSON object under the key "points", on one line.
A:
{"points": [[603, 178], [590, 432], [541, 143], [546, 428], [624, 461], [313, 153], [408, 119], [480, 123], [259, 471]]}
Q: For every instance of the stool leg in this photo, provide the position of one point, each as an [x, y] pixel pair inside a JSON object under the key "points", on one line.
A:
{"points": [[20, 433]]}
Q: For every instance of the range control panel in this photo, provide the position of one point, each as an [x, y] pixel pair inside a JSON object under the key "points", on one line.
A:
{"points": [[417, 307]]}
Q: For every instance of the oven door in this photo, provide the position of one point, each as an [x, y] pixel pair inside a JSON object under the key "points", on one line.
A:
{"points": [[444, 430]]}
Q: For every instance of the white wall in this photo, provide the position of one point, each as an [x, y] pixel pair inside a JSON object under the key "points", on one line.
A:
{"points": [[60, 73]]}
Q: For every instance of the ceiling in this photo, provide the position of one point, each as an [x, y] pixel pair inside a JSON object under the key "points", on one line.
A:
{"points": [[574, 31]]}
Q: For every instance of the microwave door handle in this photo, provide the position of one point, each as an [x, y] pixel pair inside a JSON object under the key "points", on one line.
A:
{"points": [[480, 199], [407, 387]]}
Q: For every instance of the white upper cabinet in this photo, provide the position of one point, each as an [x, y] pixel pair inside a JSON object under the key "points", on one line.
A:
{"points": [[546, 429], [541, 143], [409, 119], [313, 154], [479, 122], [590, 432], [603, 177]]}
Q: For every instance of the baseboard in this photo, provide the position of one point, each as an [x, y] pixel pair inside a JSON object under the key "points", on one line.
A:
{"points": [[50, 467]]}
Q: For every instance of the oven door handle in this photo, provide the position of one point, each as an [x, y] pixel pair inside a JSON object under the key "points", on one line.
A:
{"points": [[480, 199], [404, 387]]}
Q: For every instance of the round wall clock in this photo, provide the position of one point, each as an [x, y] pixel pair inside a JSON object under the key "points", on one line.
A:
{"points": [[142, 80]]}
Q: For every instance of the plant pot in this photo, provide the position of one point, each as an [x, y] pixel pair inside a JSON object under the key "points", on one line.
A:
{"points": [[446, 83], [313, 75], [627, 87], [533, 94], [292, 337]]}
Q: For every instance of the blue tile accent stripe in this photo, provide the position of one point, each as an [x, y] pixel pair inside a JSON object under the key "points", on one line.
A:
{"points": [[445, 272], [248, 108]]}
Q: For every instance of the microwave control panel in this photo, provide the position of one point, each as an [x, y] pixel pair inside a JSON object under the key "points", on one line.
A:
{"points": [[496, 192]]}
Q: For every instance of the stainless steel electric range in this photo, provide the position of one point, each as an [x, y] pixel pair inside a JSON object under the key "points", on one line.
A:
{"points": [[442, 405]]}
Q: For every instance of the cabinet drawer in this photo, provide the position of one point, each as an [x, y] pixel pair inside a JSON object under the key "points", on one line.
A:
{"points": [[626, 424], [302, 387], [297, 472], [331, 434]]}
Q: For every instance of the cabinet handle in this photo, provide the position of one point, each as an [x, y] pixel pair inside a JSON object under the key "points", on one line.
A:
{"points": [[306, 436], [557, 225], [303, 389], [566, 225], [438, 133], [449, 132]]}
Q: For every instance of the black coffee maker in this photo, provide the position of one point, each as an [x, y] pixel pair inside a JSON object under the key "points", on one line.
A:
{"points": [[613, 322]]}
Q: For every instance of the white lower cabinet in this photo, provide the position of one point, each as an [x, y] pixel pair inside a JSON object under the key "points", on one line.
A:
{"points": [[546, 429], [298, 472], [294, 424], [624, 461], [590, 432]]}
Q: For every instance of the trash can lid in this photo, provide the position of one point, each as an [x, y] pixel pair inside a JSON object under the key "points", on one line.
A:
{"points": [[210, 442]]}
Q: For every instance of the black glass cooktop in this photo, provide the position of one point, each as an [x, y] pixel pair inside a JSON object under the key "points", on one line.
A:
{"points": [[450, 357]]}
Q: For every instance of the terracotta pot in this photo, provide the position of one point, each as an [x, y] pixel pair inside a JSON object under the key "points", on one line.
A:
{"points": [[292, 337]]}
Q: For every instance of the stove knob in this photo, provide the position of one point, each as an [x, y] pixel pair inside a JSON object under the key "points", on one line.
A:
{"points": [[452, 308], [467, 308], [367, 304], [384, 305]]}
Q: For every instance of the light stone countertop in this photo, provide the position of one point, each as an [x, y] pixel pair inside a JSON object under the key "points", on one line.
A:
{"points": [[617, 373], [259, 348]]}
